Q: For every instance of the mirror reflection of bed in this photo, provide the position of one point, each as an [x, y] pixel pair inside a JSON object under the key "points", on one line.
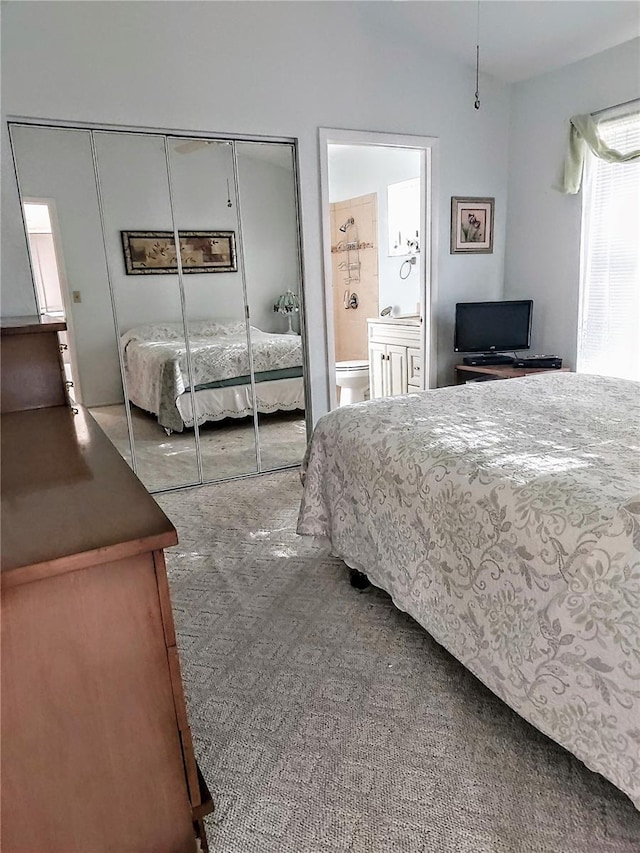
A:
{"points": [[128, 313], [157, 376]]}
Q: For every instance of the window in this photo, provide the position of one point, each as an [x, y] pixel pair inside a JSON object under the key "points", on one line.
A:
{"points": [[609, 326]]}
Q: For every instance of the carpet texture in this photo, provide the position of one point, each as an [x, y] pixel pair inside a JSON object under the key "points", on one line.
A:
{"points": [[327, 721]]}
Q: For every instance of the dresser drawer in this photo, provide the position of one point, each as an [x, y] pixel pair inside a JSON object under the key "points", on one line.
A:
{"points": [[32, 372], [400, 334], [414, 365]]}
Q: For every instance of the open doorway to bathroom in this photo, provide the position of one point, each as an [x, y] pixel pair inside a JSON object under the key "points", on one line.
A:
{"points": [[377, 197], [45, 252]]}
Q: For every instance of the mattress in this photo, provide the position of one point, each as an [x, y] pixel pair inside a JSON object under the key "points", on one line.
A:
{"points": [[505, 518], [156, 367]]}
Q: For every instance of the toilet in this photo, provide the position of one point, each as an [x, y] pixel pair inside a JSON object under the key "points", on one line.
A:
{"points": [[352, 377]]}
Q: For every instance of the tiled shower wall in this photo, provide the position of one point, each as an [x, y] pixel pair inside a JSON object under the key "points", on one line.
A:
{"points": [[350, 324]]}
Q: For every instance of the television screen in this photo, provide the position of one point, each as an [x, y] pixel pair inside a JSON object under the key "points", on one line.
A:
{"points": [[493, 326]]}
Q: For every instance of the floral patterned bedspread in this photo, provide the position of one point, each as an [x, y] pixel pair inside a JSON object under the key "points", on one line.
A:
{"points": [[155, 360], [505, 518]]}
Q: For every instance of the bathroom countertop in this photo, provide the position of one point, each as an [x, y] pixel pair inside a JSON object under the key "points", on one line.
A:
{"points": [[407, 320]]}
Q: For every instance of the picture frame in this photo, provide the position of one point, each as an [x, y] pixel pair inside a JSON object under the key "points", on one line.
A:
{"points": [[471, 225], [154, 252]]}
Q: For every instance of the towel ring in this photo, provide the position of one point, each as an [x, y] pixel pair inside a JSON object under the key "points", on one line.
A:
{"points": [[408, 263]]}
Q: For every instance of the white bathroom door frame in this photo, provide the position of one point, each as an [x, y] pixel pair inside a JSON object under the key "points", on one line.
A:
{"points": [[428, 148]]}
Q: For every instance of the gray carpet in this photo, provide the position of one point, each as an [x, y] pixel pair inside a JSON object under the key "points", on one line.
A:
{"points": [[327, 721]]}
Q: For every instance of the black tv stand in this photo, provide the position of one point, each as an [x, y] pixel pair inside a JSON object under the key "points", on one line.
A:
{"points": [[487, 358]]}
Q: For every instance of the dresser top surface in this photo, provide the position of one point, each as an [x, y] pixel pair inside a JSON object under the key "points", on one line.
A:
{"points": [[69, 500], [31, 325]]}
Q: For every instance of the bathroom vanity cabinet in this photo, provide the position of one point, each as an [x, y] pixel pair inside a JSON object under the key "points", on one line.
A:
{"points": [[395, 359]]}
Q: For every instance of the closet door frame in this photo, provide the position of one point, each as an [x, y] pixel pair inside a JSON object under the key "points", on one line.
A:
{"points": [[167, 134]]}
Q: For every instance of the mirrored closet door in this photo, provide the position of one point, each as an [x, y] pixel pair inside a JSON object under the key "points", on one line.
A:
{"points": [[204, 200], [179, 267], [267, 195]]}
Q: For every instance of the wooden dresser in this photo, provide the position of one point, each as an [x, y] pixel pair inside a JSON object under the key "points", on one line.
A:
{"points": [[32, 371], [467, 372], [96, 746]]}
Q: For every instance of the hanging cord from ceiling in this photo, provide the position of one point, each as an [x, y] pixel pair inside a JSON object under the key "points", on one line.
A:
{"points": [[476, 103]]}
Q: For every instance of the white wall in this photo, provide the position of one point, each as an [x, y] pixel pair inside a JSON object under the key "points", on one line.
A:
{"points": [[543, 225], [269, 231], [360, 170], [270, 68], [135, 195]]}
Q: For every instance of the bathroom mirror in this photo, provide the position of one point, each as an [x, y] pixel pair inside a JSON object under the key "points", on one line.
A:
{"points": [[403, 217], [172, 252]]}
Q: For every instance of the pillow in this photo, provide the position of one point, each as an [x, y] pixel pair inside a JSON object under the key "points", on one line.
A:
{"points": [[175, 331], [220, 329], [154, 332]]}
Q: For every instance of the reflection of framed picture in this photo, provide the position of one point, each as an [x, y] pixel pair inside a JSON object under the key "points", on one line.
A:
{"points": [[471, 224], [154, 252]]}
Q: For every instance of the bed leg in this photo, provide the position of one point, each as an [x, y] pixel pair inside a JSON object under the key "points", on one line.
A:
{"points": [[358, 579]]}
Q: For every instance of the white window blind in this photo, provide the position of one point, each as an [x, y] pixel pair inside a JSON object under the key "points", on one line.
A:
{"points": [[609, 325]]}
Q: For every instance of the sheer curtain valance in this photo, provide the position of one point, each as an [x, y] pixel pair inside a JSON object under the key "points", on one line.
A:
{"points": [[586, 134], [609, 316]]}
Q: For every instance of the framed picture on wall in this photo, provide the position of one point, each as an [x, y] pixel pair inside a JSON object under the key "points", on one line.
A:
{"points": [[471, 225], [154, 252]]}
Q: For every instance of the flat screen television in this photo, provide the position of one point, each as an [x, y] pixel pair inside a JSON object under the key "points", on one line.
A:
{"points": [[490, 327]]}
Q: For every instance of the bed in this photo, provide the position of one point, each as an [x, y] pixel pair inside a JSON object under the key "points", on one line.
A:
{"points": [[155, 366], [504, 517]]}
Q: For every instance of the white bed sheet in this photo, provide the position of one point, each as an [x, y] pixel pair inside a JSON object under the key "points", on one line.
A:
{"points": [[155, 360], [215, 404]]}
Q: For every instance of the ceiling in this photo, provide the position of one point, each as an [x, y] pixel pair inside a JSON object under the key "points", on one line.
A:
{"points": [[519, 39]]}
